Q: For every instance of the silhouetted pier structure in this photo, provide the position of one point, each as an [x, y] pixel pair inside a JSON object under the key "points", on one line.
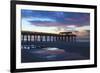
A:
{"points": [[27, 36], [31, 40]]}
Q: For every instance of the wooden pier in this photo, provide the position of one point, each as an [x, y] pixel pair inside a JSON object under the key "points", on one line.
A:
{"points": [[47, 37]]}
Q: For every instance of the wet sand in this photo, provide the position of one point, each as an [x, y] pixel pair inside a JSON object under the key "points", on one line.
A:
{"points": [[68, 51]]}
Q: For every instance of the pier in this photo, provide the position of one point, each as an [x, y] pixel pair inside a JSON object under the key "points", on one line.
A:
{"points": [[31, 40], [47, 37]]}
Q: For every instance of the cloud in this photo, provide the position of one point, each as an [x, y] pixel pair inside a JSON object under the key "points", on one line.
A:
{"points": [[39, 19], [71, 19], [52, 27], [81, 28]]}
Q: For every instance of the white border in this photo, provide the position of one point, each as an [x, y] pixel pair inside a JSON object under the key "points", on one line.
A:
{"points": [[20, 65]]}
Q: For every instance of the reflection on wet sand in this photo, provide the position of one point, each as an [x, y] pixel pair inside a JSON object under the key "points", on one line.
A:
{"points": [[49, 54]]}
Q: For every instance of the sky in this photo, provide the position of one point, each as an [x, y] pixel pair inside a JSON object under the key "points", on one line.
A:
{"points": [[55, 22]]}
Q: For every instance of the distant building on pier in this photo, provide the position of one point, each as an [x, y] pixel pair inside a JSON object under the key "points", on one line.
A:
{"points": [[66, 33]]}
